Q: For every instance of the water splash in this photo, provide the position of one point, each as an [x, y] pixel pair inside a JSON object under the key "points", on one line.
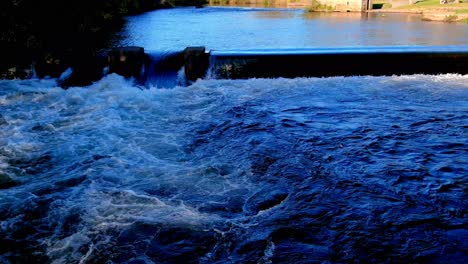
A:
{"points": [[164, 70], [339, 169]]}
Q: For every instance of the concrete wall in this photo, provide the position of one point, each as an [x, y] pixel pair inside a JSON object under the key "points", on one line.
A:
{"points": [[339, 5], [378, 61], [349, 5]]}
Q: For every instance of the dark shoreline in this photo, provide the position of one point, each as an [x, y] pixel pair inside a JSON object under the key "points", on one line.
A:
{"points": [[53, 35]]}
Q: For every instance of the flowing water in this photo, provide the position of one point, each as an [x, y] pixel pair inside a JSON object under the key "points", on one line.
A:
{"points": [[306, 170]]}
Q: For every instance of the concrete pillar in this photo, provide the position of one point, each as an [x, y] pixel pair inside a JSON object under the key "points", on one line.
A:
{"points": [[50, 65], [196, 63], [86, 69], [126, 61]]}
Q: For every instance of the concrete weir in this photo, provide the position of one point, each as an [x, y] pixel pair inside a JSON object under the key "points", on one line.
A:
{"points": [[126, 61], [198, 63], [326, 62]]}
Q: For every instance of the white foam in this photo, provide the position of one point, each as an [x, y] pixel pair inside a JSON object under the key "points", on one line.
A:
{"points": [[136, 148]]}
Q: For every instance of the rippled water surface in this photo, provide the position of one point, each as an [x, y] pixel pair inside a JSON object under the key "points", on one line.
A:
{"points": [[253, 28], [306, 170], [356, 169]]}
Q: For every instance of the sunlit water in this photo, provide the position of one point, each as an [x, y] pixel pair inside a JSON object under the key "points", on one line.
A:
{"points": [[253, 28], [306, 170]]}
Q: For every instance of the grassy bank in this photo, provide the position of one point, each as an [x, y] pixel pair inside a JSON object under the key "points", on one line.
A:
{"points": [[431, 10], [316, 6], [435, 5], [422, 6]]}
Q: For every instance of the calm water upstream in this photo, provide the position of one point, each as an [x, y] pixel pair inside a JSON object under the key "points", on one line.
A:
{"points": [[249, 28], [306, 170]]}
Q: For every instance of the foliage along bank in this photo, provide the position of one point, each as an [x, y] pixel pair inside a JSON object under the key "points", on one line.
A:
{"points": [[57, 33]]}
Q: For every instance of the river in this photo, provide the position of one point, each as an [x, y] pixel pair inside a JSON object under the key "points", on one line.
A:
{"points": [[306, 170], [254, 28]]}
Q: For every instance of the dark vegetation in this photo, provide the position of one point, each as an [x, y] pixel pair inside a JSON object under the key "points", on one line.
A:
{"points": [[57, 33]]}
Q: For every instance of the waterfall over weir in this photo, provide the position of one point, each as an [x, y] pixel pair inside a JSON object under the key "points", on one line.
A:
{"points": [[167, 69], [163, 69], [262, 170], [355, 169]]}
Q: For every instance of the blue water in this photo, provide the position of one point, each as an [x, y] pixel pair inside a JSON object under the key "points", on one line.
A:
{"points": [[250, 28], [307, 170]]}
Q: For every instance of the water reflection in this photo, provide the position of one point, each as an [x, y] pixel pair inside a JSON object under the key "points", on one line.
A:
{"points": [[249, 28], [276, 15], [336, 15]]}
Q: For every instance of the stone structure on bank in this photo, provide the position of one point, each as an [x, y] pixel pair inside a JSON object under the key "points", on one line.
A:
{"points": [[349, 5], [335, 5]]}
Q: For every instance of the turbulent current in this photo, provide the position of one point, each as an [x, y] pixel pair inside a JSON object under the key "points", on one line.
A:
{"points": [[318, 170]]}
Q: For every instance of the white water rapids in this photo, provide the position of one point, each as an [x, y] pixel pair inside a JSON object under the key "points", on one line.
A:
{"points": [[306, 169]]}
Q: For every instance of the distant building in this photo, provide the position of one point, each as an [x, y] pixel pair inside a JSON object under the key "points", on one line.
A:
{"points": [[349, 5]]}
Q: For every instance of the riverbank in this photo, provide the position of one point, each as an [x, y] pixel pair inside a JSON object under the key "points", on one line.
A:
{"points": [[431, 10], [62, 41], [54, 35]]}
